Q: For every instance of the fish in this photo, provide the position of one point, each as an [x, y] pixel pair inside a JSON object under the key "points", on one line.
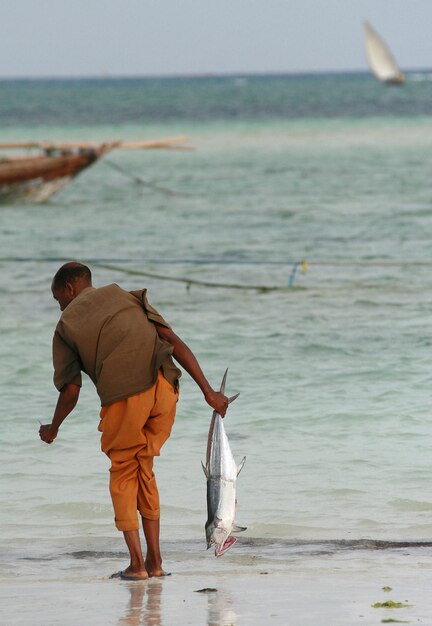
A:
{"points": [[221, 472]]}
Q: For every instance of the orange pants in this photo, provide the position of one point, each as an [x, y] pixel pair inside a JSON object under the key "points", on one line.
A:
{"points": [[133, 432]]}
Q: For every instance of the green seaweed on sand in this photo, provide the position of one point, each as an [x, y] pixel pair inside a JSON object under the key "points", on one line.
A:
{"points": [[389, 604], [386, 588]]}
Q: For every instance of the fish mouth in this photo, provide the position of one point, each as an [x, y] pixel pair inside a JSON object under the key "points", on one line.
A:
{"points": [[225, 546]]}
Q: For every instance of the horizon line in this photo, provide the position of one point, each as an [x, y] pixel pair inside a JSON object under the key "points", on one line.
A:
{"points": [[197, 75]]}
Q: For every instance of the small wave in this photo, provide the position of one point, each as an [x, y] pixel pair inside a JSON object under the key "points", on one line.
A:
{"points": [[411, 505], [336, 544], [79, 554], [269, 548], [95, 554]]}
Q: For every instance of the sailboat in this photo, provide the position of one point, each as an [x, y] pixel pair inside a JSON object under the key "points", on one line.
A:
{"points": [[380, 59]]}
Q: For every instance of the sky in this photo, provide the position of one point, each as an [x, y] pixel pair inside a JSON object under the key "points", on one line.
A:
{"points": [[103, 38]]}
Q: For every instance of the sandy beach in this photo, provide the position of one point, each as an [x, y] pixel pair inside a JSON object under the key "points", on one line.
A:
{"points": [[311, 585]]}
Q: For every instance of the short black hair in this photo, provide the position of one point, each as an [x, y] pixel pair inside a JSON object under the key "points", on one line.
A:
{"points": [[69, 272]]}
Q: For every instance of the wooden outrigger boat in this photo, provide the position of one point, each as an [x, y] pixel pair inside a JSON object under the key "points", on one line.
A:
{"points": [[37, 177]]}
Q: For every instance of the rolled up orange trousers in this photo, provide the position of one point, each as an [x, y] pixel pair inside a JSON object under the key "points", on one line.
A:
{"points": [[133, 433]]}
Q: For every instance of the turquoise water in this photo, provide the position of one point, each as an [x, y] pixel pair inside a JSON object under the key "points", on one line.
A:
{"points": [[334, 372]]}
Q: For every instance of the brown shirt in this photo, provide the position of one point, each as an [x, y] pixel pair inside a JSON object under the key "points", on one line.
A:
{"points": [[109, 334]]}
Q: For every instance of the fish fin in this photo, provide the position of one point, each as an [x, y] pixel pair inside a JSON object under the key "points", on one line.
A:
{"points": [[238, 529], [233, 398], [240, 466], [222, 387], [205, 470]]}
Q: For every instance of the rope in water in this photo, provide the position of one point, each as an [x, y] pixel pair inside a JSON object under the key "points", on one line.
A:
{"points": [[112, 264], [190, 281]]}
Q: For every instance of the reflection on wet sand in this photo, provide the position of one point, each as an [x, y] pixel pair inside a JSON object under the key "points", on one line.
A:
{"points": [[140, 612], [219, 610], [144, 605]]}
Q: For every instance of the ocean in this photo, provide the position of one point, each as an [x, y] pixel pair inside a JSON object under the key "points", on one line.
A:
{"points": [[296, 251]]}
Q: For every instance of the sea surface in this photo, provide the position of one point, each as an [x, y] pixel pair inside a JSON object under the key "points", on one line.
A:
{"points": [[295, 248]]}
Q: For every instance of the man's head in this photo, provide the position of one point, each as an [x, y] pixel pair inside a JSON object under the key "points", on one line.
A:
{"points": [[69, 281]]}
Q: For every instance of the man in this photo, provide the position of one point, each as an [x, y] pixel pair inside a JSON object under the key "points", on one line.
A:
{"points": [[125, 347]]}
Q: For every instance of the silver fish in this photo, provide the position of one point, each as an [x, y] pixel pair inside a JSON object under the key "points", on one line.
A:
{"points": [[221, 472]]}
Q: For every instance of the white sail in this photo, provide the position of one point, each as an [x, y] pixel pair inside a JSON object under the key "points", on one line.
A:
{"points": [[380, 58]]}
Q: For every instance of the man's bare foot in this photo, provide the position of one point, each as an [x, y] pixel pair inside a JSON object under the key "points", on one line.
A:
{"points": [[131, 574], [155, 571]]}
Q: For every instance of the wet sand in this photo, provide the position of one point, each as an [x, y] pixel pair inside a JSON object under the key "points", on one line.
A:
{"points": [[328, 589]]}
